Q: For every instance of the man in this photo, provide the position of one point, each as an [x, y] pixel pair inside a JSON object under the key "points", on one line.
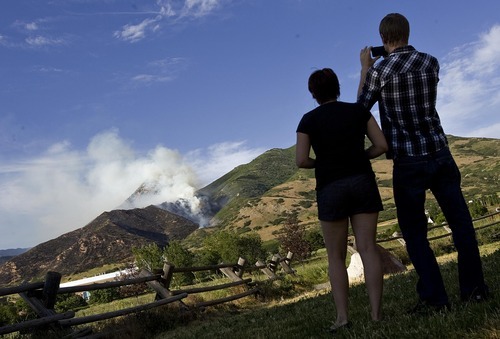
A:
{"points": [[405, 85]]}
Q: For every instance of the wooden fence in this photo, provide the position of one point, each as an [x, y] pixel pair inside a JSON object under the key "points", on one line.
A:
{"points": [[493, 217], [41, 296]]}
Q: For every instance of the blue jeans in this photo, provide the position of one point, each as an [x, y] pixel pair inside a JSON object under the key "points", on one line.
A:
{"points": [[412, 176]]}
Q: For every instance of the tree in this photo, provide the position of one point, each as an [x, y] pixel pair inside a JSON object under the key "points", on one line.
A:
{"points": [[250, 248], [176, 254], [225, 244], [293, 238], [149, 256], [152, 257], [206, 257], [315, 239], [228, 247]]}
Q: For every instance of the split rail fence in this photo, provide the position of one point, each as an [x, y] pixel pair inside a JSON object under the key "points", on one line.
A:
{"points": [[493, 217], [41, 296]]}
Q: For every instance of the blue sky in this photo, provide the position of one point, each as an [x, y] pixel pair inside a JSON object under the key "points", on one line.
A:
{"points": [[98, 97]]}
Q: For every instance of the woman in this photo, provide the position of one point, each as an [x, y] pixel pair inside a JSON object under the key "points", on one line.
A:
{"points": [[346, 188]]}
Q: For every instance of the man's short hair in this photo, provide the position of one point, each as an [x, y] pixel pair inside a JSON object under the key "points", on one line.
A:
{"points": [[394, 28]]}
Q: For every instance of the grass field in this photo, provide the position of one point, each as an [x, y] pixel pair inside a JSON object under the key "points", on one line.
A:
{"points": [[308, 315], [300, 306], [294, 308]]}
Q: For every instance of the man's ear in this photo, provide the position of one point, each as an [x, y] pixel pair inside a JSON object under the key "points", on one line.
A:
{"points": [[383, 40]]}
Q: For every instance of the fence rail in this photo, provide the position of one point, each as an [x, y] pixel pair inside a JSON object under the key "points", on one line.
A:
{"points": [[445, 225], [41, 296]]}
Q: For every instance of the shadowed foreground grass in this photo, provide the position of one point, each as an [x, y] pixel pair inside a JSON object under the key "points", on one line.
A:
{"points": [[310, 315]]}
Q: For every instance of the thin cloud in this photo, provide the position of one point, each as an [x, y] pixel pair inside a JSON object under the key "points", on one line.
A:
{"points": [[134, 33], [163, 70], [167, 9], [32, 26], [469, 93], [199, 8], [150, 78], [166, 64], [40, 41], [35, 25], [48, 69], [31, 34]]}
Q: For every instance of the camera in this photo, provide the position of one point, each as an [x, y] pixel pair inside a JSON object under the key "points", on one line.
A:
{"points": [[378, 51]]}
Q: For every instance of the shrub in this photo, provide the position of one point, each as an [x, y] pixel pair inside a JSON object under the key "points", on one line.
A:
{"points": [[7, 314], [104, 296], [306, 203], [477, 209], [69, 301]]}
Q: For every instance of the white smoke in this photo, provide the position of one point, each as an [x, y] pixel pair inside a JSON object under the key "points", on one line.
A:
{"points": [[64, 189]]}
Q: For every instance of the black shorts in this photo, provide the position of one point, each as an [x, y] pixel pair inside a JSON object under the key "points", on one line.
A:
{"points": [[348, 196]]}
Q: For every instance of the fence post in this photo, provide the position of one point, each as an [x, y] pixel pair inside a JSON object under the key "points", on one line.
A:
{"points": [[285, 263], [168, 272], [241, 266], [228, 272], [273, 263], [270, 274], [49, 294], [43, 304], [161, 291]]}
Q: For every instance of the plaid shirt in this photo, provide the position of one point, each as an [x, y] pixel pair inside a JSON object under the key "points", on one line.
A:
{"points": [[405, 85]]}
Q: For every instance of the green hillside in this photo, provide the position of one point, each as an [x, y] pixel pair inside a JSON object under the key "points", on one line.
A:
{"points": [[257, 196], [250, 181]]}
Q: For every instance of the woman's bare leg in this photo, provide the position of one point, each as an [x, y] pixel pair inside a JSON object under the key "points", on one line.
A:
{"points": [[335, 236], [365, 230]]}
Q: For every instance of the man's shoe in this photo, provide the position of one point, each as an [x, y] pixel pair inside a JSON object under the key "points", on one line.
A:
{"points": [[424, 308], [477, 296]]}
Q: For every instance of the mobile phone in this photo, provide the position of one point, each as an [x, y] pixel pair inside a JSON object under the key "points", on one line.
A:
{"points": [[378, 51]]}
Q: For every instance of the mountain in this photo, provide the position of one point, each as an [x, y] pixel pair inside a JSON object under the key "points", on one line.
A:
{"points": [[108, 239], [253, 197], [11, 252], [6, 255], [233, 190], [260, 194]]}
